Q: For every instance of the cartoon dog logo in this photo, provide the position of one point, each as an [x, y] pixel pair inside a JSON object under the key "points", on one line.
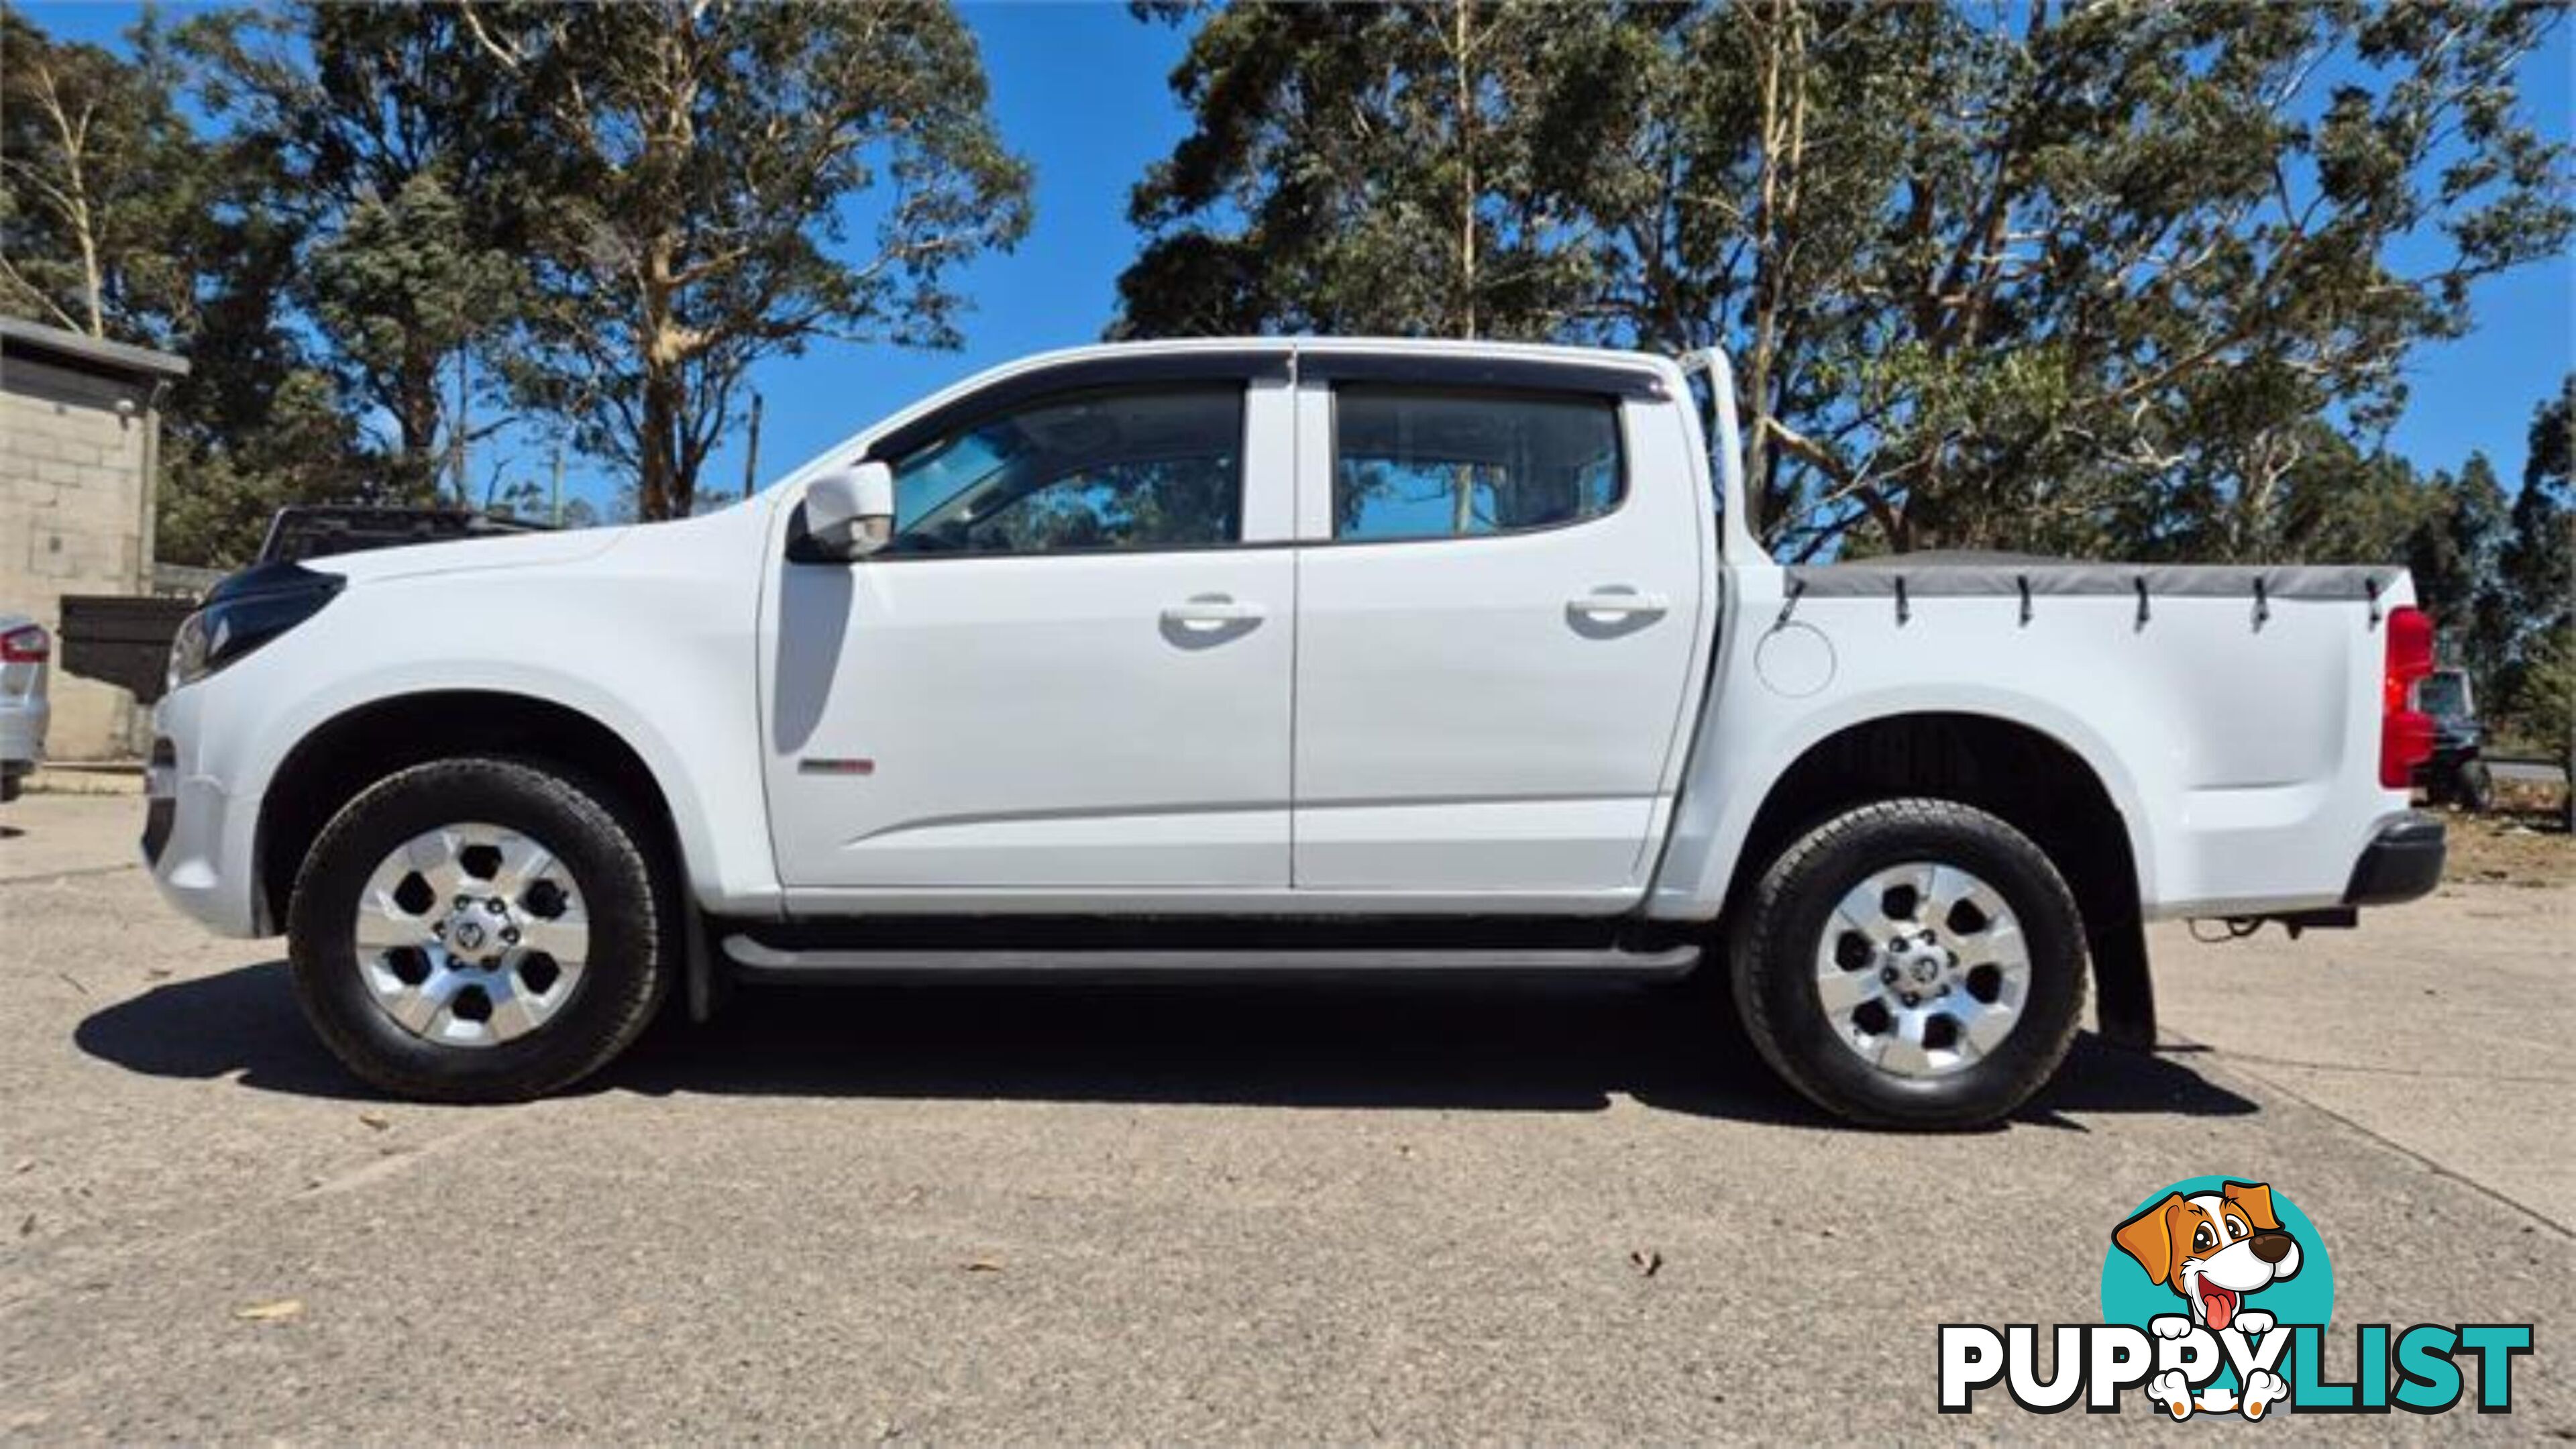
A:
{"points": [[2214, 1249]]}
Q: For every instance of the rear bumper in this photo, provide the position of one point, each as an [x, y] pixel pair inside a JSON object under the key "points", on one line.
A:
{"points": [[2401, 863], [22, 731]]}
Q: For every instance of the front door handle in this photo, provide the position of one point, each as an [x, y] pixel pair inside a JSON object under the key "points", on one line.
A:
{"points": [[1207, 613], [1619, 601]]}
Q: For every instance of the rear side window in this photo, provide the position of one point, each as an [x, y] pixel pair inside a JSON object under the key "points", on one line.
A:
{"points": [[1444, 463]]}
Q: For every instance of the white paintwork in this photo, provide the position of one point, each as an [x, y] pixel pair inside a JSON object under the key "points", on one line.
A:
{"points": [[608, 623], [24, 707], [1293, 726], [1069, 720], [1498, 713], [854, 507], [1065, 721], [2244, 763]]}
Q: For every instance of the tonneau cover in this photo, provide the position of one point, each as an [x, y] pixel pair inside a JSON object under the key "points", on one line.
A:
{"points": [[1957, 573]]}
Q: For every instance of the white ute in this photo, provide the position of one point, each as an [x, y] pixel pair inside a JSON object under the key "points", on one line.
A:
{"points": [[1277, 654]]}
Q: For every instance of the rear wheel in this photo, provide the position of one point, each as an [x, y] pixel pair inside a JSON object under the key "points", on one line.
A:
{"points": [[2476, 790], [479, 930], [1912, 963]]}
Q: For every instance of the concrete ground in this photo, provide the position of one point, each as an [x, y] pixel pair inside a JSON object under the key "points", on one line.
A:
{"points": [[1527, 1213]]}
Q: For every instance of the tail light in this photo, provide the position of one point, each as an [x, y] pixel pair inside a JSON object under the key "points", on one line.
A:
{"points": [[24, 645], [2405, 732]]}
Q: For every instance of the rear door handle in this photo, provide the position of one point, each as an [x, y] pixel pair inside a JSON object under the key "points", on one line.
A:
{"points": [[1619, 600], [1210, 612]]}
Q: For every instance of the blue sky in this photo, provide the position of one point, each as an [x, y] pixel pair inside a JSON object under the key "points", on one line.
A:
{"points": [[1080, 90]]}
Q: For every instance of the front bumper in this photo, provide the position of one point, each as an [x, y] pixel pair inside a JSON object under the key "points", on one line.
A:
{"points": [[196, 836], [2401, 863]]}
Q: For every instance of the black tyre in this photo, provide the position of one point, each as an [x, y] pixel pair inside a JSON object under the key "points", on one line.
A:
{"points": [[480, 930], [2476, 787], [1912, 963]]}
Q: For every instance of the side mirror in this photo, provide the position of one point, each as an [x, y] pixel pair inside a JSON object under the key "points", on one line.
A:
{"points": [[849, 512]]}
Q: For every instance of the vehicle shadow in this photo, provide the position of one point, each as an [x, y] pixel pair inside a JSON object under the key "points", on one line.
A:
{"points": [[1499, 1045]]}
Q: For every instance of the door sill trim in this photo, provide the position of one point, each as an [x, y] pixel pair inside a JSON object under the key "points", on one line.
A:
{"points": [[759, 960]]}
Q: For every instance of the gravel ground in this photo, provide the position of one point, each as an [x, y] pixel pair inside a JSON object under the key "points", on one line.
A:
{"points": [[1201, 1214], [2526, 849]]}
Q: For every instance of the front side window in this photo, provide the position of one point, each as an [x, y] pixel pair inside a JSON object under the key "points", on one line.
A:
{"points": [[1420, 463], [1139, 469]]}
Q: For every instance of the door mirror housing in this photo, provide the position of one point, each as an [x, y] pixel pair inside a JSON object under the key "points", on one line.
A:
{"points": [[849, 512]]}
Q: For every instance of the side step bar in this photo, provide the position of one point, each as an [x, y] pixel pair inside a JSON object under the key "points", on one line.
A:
{"points": [[761, 961]]}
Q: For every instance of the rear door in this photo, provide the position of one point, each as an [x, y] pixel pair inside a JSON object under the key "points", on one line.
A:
{"points": [[1070, 671], [1499, 598]]}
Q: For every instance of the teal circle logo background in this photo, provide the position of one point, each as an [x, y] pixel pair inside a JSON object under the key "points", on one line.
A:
{"points": [[2130, 1296]]}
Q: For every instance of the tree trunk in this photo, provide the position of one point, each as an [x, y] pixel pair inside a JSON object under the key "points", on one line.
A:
{"points": [[416, 416], [1784, 134], [1462, 483], [456, 430], [662, 490], [74, 201], [1464, 71], [93, 280]]}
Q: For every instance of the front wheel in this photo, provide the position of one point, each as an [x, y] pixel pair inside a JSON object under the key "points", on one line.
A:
{"points": [[479, 930], [1912, 963]]}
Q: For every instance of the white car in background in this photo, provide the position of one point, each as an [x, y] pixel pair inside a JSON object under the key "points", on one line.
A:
{"points": [[24, 652]]}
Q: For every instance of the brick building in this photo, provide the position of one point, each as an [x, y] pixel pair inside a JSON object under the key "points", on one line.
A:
{"points": [[80, 435]]}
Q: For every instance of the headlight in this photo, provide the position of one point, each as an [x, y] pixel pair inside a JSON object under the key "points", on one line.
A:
{"points": [[243, 612], [187, 653]]}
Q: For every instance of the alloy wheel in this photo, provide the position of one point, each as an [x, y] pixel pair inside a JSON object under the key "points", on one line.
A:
{"points": [[472, 935], [1922, 969]]}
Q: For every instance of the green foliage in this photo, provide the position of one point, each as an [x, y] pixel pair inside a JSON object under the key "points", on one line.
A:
{"points": [[220, 486], [390, 145], [1391, 169], [606, 214], [2543, 713], [2102, 279], [106, 186], [119, 221], [399, 288], [2499, 574], [2535, 656], [2108, 279], [698, 163], [530, 500]]}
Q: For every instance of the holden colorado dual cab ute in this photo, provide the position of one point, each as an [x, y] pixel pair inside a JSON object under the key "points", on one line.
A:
{"points": [[1277, 654]]}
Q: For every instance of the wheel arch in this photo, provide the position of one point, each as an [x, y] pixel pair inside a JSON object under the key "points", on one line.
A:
{"points": [[336, 759], [2028, 777]]}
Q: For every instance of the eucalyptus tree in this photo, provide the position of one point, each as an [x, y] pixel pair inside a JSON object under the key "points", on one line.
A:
{"points": [[2536, 566], [397, 155], [119, 220], [1366, 168], [102, 186], [2078, 278], [726, 182]]}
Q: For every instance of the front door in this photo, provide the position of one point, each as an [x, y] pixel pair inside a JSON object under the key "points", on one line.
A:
{"points": [[1496, 626], [1066, 672]]}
